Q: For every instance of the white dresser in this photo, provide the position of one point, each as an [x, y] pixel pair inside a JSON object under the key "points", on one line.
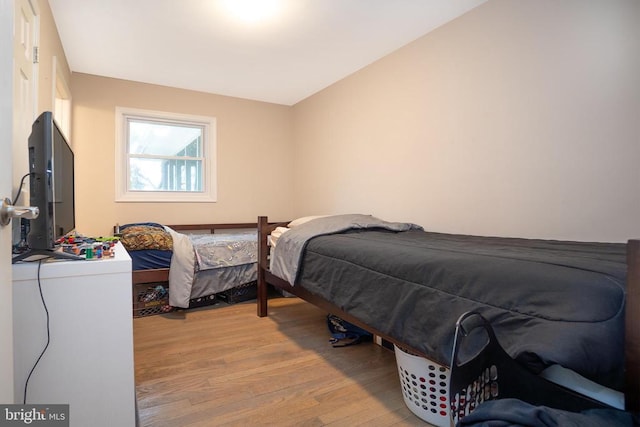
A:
{"points": [[89, 362]]}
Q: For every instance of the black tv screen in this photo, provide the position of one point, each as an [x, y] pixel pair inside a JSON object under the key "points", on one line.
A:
{"points": [[51, 168]]}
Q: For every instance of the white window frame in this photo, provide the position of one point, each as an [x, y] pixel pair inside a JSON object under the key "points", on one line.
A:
{"points": [[209, 191]]}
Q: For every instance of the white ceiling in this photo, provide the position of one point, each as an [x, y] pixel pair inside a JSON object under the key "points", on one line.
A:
{"points": [[303, 47]]}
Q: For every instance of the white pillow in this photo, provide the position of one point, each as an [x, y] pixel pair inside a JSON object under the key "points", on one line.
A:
{"points": [[304, 219], [272, 239]]}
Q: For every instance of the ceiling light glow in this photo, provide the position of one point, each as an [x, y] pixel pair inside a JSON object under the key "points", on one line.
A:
{"points": [[253, 11]]}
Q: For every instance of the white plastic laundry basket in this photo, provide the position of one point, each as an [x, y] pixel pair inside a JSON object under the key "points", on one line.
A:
{"points": [[425, 387]]}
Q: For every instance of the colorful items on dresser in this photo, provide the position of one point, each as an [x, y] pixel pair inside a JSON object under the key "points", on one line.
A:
{"points": [[89, 247]]}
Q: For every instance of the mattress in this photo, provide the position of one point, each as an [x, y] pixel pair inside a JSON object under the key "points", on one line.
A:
{"points": [[148, 244], [550, 302], [148, 259]]}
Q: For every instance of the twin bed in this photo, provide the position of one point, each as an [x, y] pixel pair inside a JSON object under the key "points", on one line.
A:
{"points": [[196, 261], [551, 303]]}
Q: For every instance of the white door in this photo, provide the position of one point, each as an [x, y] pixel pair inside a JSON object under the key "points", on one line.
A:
{"points": [[18, 91], [24, 95]]}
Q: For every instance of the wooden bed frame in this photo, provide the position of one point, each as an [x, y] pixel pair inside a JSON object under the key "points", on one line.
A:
{"points": [[159, 275], [632, 307]]}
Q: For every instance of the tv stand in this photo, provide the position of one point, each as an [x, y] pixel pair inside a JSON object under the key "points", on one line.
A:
{"points": [[44, 253]]}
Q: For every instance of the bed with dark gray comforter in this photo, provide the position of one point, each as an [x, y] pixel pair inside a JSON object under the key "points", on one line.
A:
{"points": [[550, 302]]}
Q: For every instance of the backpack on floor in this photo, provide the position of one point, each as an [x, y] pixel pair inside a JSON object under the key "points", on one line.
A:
{"points": [[344, 333]]}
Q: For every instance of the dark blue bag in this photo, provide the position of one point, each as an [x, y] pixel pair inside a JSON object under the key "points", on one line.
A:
{"points": [[344, 333]]}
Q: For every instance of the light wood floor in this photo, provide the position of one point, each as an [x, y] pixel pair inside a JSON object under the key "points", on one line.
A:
{"points": [[224, 366]]}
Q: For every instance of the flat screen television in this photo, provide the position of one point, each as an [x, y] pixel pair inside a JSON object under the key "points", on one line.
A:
{"points": [[51, 187]]}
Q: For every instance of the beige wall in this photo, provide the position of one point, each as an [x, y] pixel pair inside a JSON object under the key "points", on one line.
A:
{"points": [[254, 155], [518, 118]]}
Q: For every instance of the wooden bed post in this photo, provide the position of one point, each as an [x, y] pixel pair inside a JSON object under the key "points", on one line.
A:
{"points": [[264, 230], [632, 328], [263, 251]]}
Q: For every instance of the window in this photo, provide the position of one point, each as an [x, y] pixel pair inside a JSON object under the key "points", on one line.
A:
{"points": [[164, 157]]}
